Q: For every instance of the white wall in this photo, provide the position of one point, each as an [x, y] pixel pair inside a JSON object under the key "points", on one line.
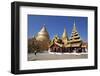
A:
{"points": [[5, 41]]}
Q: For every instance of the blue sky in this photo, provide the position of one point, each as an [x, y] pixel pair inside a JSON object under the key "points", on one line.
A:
{"points": [[56, 24]]}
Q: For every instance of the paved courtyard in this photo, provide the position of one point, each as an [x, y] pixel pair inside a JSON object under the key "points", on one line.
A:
{"points": [[55, 56]]}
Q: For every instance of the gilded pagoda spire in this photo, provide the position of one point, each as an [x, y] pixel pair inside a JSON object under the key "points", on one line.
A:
{"points": [[43, 29], [64, 36], [74, 27]]}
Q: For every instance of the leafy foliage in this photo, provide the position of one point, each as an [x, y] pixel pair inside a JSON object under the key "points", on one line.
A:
{"points": [[39, 46]]}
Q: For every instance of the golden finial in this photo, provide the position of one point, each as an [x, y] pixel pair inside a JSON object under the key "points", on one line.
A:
{"points": [[74, 27], [64, 35]]}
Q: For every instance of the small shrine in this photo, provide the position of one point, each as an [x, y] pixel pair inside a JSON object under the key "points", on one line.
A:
{"points": [[56, 45]]}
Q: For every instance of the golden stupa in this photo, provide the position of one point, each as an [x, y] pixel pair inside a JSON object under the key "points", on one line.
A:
{"points": [[43, 35]]}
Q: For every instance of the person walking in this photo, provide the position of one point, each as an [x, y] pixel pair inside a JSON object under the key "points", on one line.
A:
{"points": [[35, 52]]}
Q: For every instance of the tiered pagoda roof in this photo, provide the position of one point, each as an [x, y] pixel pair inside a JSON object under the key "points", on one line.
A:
{"points": [[75, 39]]}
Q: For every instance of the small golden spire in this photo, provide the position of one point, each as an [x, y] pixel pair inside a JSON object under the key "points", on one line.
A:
{"points": [[43, 28], [74, 27], [64, 35]]}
